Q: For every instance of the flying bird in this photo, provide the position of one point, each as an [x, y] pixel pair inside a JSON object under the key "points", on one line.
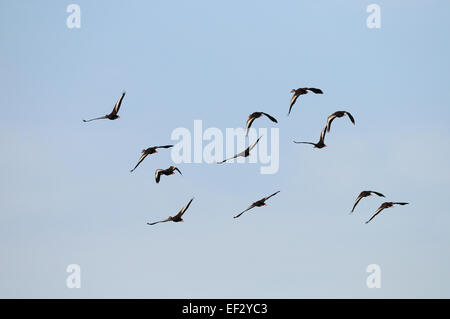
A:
{"points": [[258, 203], [256, 115], [168, 171], [301, 91], [365, 194], [148, 151], [177, 218], [243, 153], [383, 206], [113, 115], [338, 114], [320, 143]]}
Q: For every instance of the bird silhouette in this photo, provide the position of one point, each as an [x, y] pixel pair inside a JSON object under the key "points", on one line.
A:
{"points": [[259, 203], [244, 153], [384, 206], [301, 91], [177, 218], [365, 194], [338, 114], [113, 115], [148, 151], [320, 143], [256, 115], [168, 171]]}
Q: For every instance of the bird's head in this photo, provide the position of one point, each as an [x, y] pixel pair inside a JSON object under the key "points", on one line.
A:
{"points": [[293, 91]]}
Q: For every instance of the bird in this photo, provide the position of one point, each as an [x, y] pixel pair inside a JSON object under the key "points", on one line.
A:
{"points": [[383, 206], [243, 153], [177, 218], [168, 171], [320, 143], [256, 115], [149, 151], [365, 194], [301, 91], [338, 114], [258, 203], [113, 115]]}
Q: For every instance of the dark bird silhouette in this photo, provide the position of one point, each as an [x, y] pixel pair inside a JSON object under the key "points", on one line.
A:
{"points": [[365, 194], [177, 218], [338, 114], [258, 203], [320, 143], [148, 151], [243, 153], [113, 115], [168, 171], [384, 206], [301, 91], [256, 115]]}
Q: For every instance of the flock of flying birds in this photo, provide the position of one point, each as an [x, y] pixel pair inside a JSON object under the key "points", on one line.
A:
{"points": [[252, 117]]}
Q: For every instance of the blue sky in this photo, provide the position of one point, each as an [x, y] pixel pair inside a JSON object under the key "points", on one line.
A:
{"points": [[67, 196]]}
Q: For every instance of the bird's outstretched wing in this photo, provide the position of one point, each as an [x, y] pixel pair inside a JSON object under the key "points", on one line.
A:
{"points": [[322, 134], [356, 202], [143, 156], [270, 117], [176, 169], [250, 207], [400, 203], [266, 198], [376, 213], [329, 121], [163, 146], [379, 194], [250, 121], [158, 175], [97, 118], [254, 144], [316, 91], [293, 100], [229, 158], [161, 221], [350, 117], [304, 143], [183, 210], [117, 105]]}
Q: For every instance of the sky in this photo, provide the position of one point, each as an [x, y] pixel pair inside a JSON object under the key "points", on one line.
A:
{"points": [[67, 196]]}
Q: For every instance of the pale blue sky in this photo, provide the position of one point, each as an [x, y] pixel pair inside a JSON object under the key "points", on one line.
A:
{"points": [[67, 195]]}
